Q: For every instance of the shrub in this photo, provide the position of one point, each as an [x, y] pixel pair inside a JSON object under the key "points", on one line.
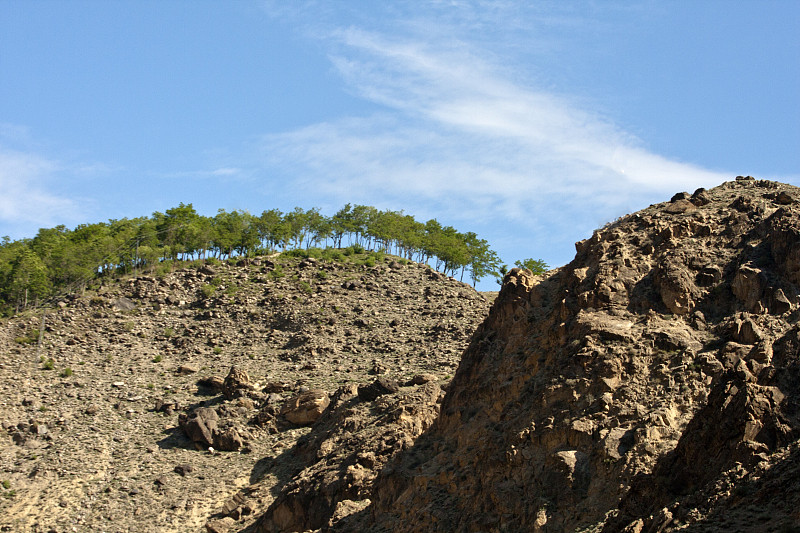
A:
{"points": [[232, 290], [276, 273], [306, 287], [157, 359], [169, 332], [333, 255], [31, 337], [67, 372], [162, 269], [208, 290], [48, 364], [217, 350], [305, 253]]}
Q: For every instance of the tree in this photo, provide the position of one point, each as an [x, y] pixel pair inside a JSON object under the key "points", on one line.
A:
{"points": [[178, 228], [501, 273], [483, 260], [28, 278], [297, 226], [537, 266], [271, 229], [318, 227]]}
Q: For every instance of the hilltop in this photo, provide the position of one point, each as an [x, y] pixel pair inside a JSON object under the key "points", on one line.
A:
{"points": [[91, 419]]}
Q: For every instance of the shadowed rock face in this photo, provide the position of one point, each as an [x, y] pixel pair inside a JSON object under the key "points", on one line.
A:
{"points": [[633, 389]]}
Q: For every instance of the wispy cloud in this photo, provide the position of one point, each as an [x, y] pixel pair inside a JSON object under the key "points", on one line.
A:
{"points": [[25, 201], [460, 131], [212, 174]]}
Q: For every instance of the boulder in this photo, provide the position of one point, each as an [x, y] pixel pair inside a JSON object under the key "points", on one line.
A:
{"points": [[379, 387], [305, 408], [236, 384]]}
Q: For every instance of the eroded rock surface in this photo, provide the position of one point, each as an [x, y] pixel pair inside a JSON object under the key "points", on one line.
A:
{"points": [[638, 388]]}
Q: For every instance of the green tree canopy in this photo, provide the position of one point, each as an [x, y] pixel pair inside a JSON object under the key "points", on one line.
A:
{"points": [[537, 266]]}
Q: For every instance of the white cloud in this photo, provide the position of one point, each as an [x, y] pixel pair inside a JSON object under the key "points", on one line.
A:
{"points": [[25, 201], [458, 131]]}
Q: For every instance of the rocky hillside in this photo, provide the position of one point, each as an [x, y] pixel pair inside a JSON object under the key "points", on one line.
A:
{"points": [[176, 403], [650, 385]]}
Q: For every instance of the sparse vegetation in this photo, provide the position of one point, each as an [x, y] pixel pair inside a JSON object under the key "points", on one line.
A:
{"points": [[67, 372], [31, 337], [208, 290], [59, 260], [306, 287]]}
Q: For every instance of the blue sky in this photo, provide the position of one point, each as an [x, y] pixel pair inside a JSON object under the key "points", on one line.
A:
{"points": [[530, 123]]}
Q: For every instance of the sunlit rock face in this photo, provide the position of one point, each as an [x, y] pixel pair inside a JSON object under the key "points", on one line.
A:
{"points": [[637, 388]]}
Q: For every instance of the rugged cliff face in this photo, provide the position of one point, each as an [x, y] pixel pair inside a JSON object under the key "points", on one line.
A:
{"points": [[650, 384]]}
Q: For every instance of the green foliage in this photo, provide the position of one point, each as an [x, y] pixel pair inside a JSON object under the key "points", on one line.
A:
{"points": [[59, 260], [333, 255], [26, 278], [306, 287], [537, 266], [6, 484], [169, 332], [31, 337], [48, 364], [158, 358], [208, 291], [353, 249], [217, 350], [67, 372], [163, 268], [276, 273], [232, 290]]}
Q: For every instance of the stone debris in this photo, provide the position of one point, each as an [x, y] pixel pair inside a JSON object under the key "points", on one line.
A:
{"points": [[164, 373]]}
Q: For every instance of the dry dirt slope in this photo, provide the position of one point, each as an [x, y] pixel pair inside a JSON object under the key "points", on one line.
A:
{"points": [[652, 384], [94, 444]]}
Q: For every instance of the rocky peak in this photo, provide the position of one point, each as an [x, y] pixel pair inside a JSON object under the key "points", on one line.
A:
{"points": [[613, 391]]}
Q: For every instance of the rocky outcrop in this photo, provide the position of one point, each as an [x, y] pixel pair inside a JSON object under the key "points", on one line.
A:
{"points": [[305, 408], [344, 452], [618, 391]]}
